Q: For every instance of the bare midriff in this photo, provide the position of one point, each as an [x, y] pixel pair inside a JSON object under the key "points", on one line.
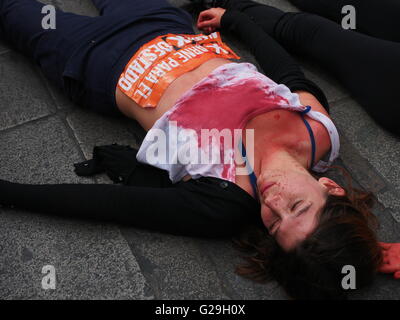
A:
{"points": [[148, 116]]}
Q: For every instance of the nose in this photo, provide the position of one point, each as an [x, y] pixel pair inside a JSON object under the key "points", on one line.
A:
{"points": [[272, 203]]}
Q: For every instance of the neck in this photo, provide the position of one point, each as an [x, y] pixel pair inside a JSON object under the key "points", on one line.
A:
{"points": [[277, 152], [278, 160]]}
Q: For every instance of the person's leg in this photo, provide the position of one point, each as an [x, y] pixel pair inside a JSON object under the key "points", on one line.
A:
{"points": [[368, 67], [378, 18], [263, 15], [21, 26]]}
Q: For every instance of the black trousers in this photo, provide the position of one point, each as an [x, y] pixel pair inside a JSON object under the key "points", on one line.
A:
{"points": [[368, 67], [377, 18]]}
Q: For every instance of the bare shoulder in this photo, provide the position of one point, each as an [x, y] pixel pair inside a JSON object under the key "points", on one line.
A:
{"points": [[309, 99]]}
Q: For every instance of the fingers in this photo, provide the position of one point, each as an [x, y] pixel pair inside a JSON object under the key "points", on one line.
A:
{"points": [[386, 267], [209, 30], [210, 18], [205, 15], [209, 23]]}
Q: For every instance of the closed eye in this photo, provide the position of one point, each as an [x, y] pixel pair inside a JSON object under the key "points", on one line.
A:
{"points": [[296, 204], [273, 229], [304, 210]]}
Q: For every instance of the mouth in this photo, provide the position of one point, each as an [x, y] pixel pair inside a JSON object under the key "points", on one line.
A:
{"points": [[265, 187]]}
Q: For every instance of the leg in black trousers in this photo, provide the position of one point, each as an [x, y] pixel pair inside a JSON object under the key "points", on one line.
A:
{"points": [[377, 18], [21, 26], [84, 56], [368, 67]]}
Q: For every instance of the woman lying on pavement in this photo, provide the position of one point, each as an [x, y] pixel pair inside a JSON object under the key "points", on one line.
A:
{"points": [[143, 59]]}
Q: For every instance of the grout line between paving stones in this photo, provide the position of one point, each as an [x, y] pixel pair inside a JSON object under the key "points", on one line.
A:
{"points": [[62, 115], [150, 280], [224, 284], [28, 122]]}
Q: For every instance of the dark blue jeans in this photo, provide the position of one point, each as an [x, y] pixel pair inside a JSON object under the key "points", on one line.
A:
{"points": [[84, 56]]}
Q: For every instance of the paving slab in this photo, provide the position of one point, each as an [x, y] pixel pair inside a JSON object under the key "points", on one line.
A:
{"points": [[24, 94], [225, 259], [174, 266], [379, 148], [91, 260], [93, 130], [39, 152]]}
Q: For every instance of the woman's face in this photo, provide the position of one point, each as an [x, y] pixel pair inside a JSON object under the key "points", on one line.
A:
{"points": [[291, 203]]}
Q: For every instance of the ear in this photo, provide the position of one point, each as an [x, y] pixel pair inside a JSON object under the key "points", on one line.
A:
{"points": [[332, 187]]}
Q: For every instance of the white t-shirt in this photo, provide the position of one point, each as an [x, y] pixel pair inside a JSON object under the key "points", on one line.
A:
{"points": [[200, 134]]}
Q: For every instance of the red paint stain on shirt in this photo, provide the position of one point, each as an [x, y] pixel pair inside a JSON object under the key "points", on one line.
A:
{"points": [[230, 107]]}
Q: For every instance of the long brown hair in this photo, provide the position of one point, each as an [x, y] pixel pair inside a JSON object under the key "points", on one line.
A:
{"points": [[345, 235]]}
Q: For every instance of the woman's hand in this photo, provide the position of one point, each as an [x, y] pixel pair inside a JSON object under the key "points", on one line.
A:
{"points": [[210, 20], [391, 259]]}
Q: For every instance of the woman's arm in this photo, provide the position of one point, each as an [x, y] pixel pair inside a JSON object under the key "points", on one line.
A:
{"points": [[193, 208], [272, 57]]}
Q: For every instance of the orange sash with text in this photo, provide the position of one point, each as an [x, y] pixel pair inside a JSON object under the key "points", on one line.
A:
{"points": [[159, 62]]}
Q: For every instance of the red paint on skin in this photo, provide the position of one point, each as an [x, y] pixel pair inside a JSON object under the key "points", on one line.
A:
{"points": [[231, 107]]}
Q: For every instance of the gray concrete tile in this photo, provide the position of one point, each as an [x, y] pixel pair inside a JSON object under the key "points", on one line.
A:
{"points": [[82, 7], [39, 152], [384, 288], [24, 94], [174, 266], [225, 259], [91, 261], [380, 149], [91, 129]]}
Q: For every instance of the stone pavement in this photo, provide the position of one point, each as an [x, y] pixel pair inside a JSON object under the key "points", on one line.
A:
{"points": [[42, 134]]}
